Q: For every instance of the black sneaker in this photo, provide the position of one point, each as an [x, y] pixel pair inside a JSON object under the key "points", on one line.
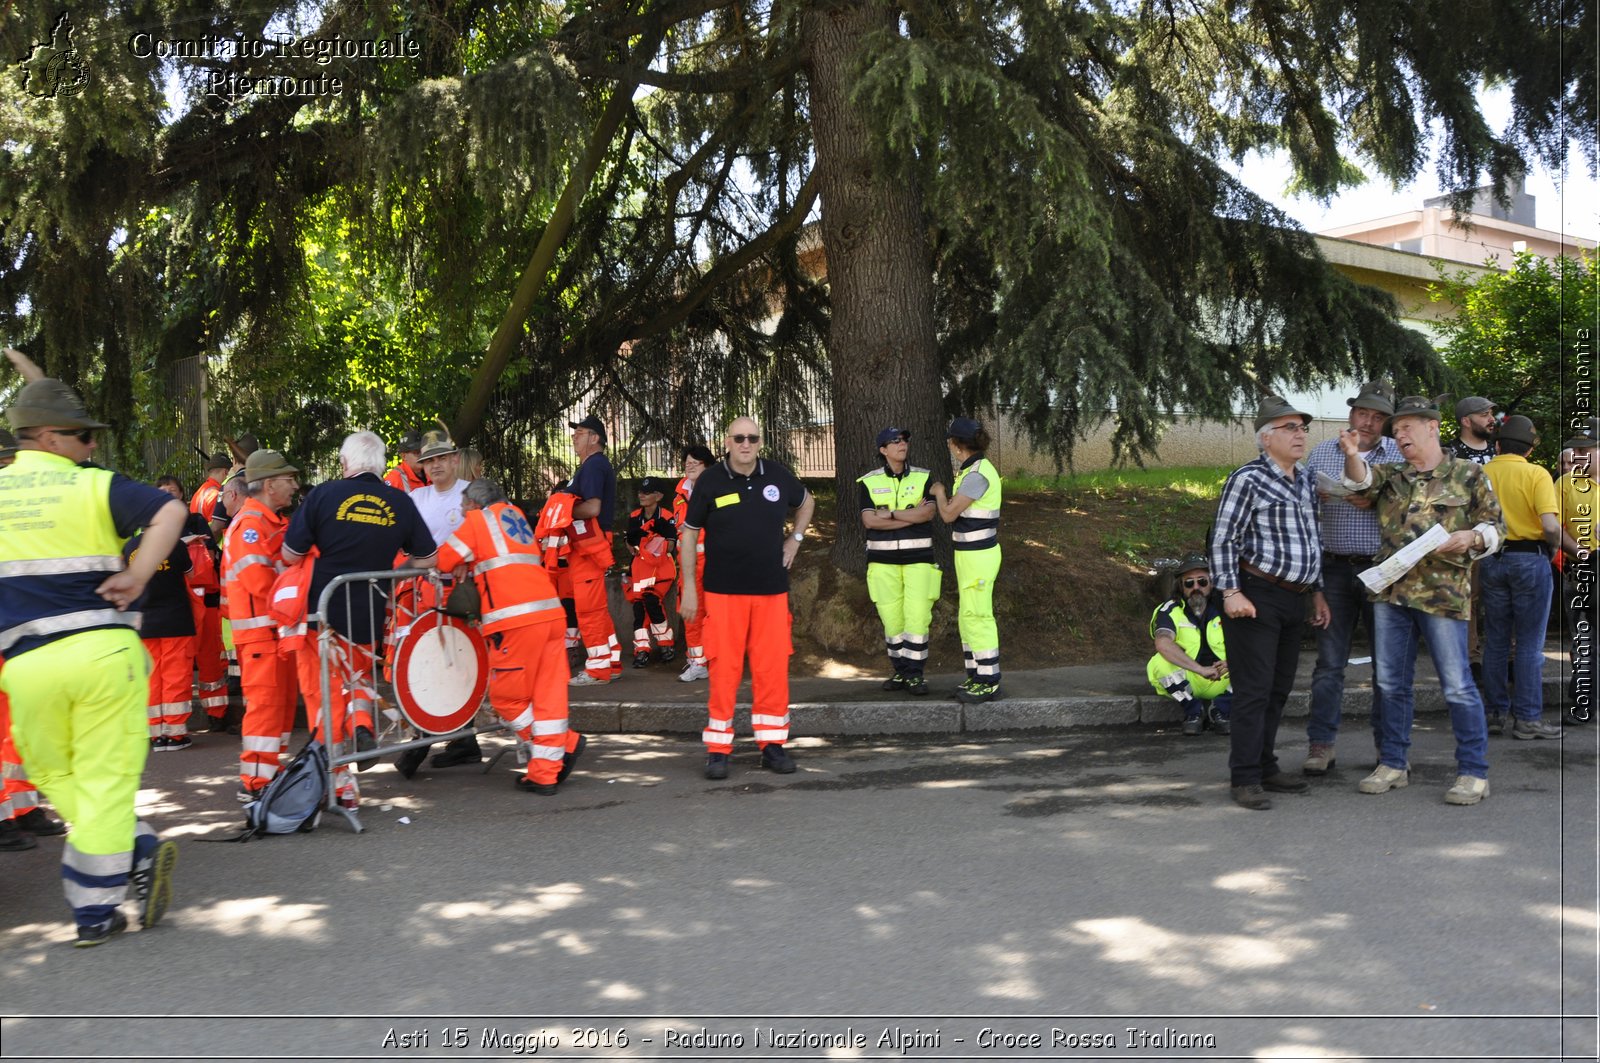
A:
{"points": [[217, 724], [717, 766], [366, 740], [177, 742], [667, 653], [568, 760], [775, 758], [543, 789], [1221, 725], [38, 823], [641, 659], [160, 745], [917, 685], [13, 839], [1194, 725], [895, 682], [461, 751], [977, 691], [152, 883], [99, 934], [408, 762]]}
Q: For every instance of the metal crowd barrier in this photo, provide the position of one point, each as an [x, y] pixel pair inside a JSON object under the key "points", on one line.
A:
{"points": [[387, 719]]}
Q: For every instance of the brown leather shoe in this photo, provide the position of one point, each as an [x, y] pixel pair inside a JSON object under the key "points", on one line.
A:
{"points": [[1284, 783]]}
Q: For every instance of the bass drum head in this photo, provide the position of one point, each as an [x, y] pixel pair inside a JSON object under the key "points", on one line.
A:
{"points": [[441, 673]]}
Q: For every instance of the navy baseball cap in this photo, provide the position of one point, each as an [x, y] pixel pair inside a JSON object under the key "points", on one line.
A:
{"points": [[649, 485], [963, 428], [893, 435], [592, 423]]}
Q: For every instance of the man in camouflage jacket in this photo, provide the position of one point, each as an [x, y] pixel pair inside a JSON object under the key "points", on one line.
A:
{"points": [[1433, 599]]}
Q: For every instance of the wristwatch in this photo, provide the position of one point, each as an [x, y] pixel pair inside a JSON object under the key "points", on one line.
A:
{"points": [[798, 537]]}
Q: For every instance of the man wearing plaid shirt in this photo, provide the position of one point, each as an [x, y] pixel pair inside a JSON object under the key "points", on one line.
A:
{"points": [[1266, 557], [1349, 541]]}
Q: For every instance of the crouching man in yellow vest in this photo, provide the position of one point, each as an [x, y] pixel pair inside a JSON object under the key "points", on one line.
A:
{"points": [[76, 672], [1191, 661]]}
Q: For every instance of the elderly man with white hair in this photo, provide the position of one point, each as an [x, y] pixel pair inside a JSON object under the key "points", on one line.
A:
{"points": [[357, 524]]}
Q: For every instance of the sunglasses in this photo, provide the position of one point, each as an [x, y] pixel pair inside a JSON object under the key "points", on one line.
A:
{"points": [[752, 439], [82, 435], [1200, 582]]}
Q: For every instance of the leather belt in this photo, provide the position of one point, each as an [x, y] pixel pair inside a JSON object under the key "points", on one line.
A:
{"points": [[1527, 546], [1353, 559], [1298, 588]]}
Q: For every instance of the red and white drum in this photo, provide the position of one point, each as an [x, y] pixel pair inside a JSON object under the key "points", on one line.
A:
{"points": [[441, 673]]}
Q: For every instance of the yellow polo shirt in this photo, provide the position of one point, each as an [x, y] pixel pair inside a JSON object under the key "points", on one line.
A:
{"points": [[1579, 498], [1524, 491]]}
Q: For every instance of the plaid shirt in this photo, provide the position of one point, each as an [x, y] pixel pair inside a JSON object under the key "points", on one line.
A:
{"points": [[1346, 529], [1269, 521]]}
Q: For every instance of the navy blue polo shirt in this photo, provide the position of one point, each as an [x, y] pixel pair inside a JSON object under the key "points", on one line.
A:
{"points": [[357, 524], [164, 606], [596, 479], [741, 521]]}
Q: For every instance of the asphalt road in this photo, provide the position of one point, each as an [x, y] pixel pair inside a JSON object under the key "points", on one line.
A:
{"points": [[1016, 896]]}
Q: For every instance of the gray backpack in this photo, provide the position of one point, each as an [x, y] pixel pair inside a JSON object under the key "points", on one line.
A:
{"points": [[293, 800]]}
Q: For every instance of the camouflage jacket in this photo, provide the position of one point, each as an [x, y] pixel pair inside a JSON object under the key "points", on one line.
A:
{"points": [[1456, 494]]}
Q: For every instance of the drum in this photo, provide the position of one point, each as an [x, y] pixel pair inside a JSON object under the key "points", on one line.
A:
{"points": [[441, 673]]}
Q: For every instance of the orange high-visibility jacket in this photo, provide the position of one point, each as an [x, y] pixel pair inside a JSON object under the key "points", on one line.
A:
{"points": [[251, 559], [503, 554], [554, 529]]}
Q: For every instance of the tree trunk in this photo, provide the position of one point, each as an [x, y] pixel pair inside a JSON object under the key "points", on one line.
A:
{"points": [[881, 342]]}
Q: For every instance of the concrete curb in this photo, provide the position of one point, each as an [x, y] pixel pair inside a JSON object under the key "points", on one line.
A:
{"points": [[821, 719]]}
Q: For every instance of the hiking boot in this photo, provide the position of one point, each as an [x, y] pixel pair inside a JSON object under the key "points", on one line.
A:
{"points": [[13, 839], [1319, 759], [38, 823], [1570, 718], [694, 673], [1217, 723], [1282, 782], [1383, 779], [177, 742], [461, 751], [916, 685], [1468, 790], [100, 933], [775, 758], [152, 883], [1497, 723], [1531, 729], [1251, 797], [717, 766], [641, 659], [977, 692], [1194, 725], [365, 741], [587, 679], [408, 762], [543, 789], [666, 653], [895, 682], [569, 759]]}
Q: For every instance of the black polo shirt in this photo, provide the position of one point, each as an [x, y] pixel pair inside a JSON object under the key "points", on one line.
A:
{"points": [[741, 520], [357, 524], [164, 607]]}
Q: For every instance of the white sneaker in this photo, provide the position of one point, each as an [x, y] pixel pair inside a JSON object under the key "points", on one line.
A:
{"points": [[584, 679], [693, 672], [1468, 790], [1383, 779]]}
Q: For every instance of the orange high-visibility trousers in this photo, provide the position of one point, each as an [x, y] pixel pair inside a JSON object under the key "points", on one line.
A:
{"points": [[595, 626], [171, 685], [528, 690], [757, 625], [350, 685], [694, 631], [269, 686], [18, 796], [210, 658]]}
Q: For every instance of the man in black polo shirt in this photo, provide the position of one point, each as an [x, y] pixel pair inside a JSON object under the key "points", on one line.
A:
{"points": [[740, 504], [357, 524]]}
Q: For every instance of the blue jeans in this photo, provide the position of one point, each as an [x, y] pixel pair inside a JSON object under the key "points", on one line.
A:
{"points": [[1347, 602], [1397, 629], [1516, 605]]}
